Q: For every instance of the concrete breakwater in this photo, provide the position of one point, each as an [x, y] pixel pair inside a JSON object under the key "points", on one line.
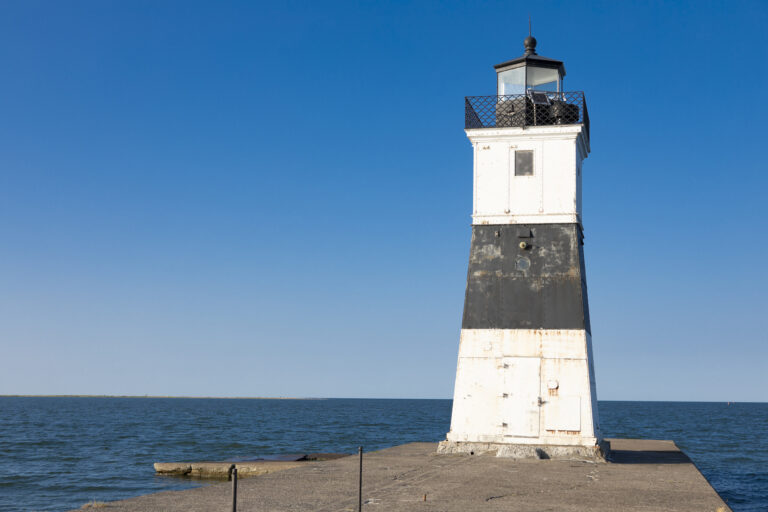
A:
{"points": [[245, 468], [642, 476]]}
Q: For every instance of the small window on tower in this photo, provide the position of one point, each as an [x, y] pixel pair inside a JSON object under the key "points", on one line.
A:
{"points": [[523, 163]]}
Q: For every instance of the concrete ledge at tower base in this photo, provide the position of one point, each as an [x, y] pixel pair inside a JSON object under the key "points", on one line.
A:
{"points": [[596, 453]]}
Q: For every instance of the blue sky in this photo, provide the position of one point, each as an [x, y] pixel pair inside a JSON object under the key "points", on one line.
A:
{"points": [[273, 199]]}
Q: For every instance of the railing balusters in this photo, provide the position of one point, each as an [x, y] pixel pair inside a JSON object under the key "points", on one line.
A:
{"points": [[519, 110]]}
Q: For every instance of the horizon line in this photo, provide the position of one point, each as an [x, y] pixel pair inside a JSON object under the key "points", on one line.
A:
{"points": [[15, 395]]}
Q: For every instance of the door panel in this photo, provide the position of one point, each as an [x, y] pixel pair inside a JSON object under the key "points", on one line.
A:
{"points": [[520, 412], [563, 413], [491, 181]]}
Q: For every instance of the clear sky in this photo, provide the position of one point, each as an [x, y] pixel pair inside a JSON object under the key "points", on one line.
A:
{"points": [[273, 198]]}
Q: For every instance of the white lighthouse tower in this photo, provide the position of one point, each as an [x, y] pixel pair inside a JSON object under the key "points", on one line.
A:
{"points": [[525, 383]]}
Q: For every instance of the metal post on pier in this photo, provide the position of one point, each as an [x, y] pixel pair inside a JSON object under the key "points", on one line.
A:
{"points": [[360, 482], [232, 475]]}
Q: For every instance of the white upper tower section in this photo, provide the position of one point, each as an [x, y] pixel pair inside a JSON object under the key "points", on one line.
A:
{"points": [[528, 175], [529, 143]]}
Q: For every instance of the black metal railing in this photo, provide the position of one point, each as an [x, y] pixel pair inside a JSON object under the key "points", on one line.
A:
{"points": [[520, 110]]}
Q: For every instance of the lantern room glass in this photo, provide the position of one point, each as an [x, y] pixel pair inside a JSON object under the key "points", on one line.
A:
{"points": [[543, 79], [512, 81], [519, 80]]}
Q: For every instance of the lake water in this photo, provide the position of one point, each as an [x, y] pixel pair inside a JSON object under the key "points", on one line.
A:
{"points": [[59, 453]]}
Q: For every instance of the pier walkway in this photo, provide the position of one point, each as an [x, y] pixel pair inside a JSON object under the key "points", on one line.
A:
{"points": [[644, 476]]}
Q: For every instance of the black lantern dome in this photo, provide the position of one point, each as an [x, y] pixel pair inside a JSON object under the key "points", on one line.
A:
{"points": [[528, 72]]}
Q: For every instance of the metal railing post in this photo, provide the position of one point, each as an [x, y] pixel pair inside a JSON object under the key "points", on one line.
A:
{"points": [[360, 482], [232, 475]]}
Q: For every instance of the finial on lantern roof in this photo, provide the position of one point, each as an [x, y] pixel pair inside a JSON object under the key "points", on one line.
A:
{"points": [[530, 41], [530, 45]]}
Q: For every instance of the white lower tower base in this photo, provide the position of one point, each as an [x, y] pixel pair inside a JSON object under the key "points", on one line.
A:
{"points": [[525, 393]]}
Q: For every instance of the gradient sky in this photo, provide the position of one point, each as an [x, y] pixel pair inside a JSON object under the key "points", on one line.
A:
{"points": [[274, 198]]}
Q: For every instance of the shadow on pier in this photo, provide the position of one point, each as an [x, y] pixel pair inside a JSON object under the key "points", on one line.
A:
{"points": [[640, 451]]}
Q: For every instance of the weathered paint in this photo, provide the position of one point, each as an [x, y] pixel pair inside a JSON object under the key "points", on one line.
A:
{"points": [[503, 385], [528, 276]]}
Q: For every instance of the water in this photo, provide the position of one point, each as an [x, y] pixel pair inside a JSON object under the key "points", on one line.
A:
{"points": [[59, 453]]}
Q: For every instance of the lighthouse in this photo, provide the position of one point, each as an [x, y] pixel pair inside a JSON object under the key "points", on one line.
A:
{"points": [[525, 381]]}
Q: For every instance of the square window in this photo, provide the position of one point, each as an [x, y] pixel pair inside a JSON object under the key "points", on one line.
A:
{"points": [[523, 163]]}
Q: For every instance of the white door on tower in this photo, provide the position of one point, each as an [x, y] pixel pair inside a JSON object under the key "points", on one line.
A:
{"points": [[520, 409]]}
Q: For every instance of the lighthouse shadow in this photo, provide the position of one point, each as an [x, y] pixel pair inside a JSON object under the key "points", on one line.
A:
{"points": [[629, 457], [630, 451]]}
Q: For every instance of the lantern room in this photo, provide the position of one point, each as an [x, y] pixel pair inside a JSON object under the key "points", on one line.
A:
{"points": [[529, 72]]}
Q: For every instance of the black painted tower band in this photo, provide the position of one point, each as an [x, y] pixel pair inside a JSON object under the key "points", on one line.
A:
{"points": [[526, 276]]}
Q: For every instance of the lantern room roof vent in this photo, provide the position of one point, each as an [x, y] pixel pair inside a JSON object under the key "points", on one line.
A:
{"points": [[531, 58]]}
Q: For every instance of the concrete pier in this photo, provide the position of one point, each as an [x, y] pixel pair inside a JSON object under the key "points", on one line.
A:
{"points": [[642, 476]]}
